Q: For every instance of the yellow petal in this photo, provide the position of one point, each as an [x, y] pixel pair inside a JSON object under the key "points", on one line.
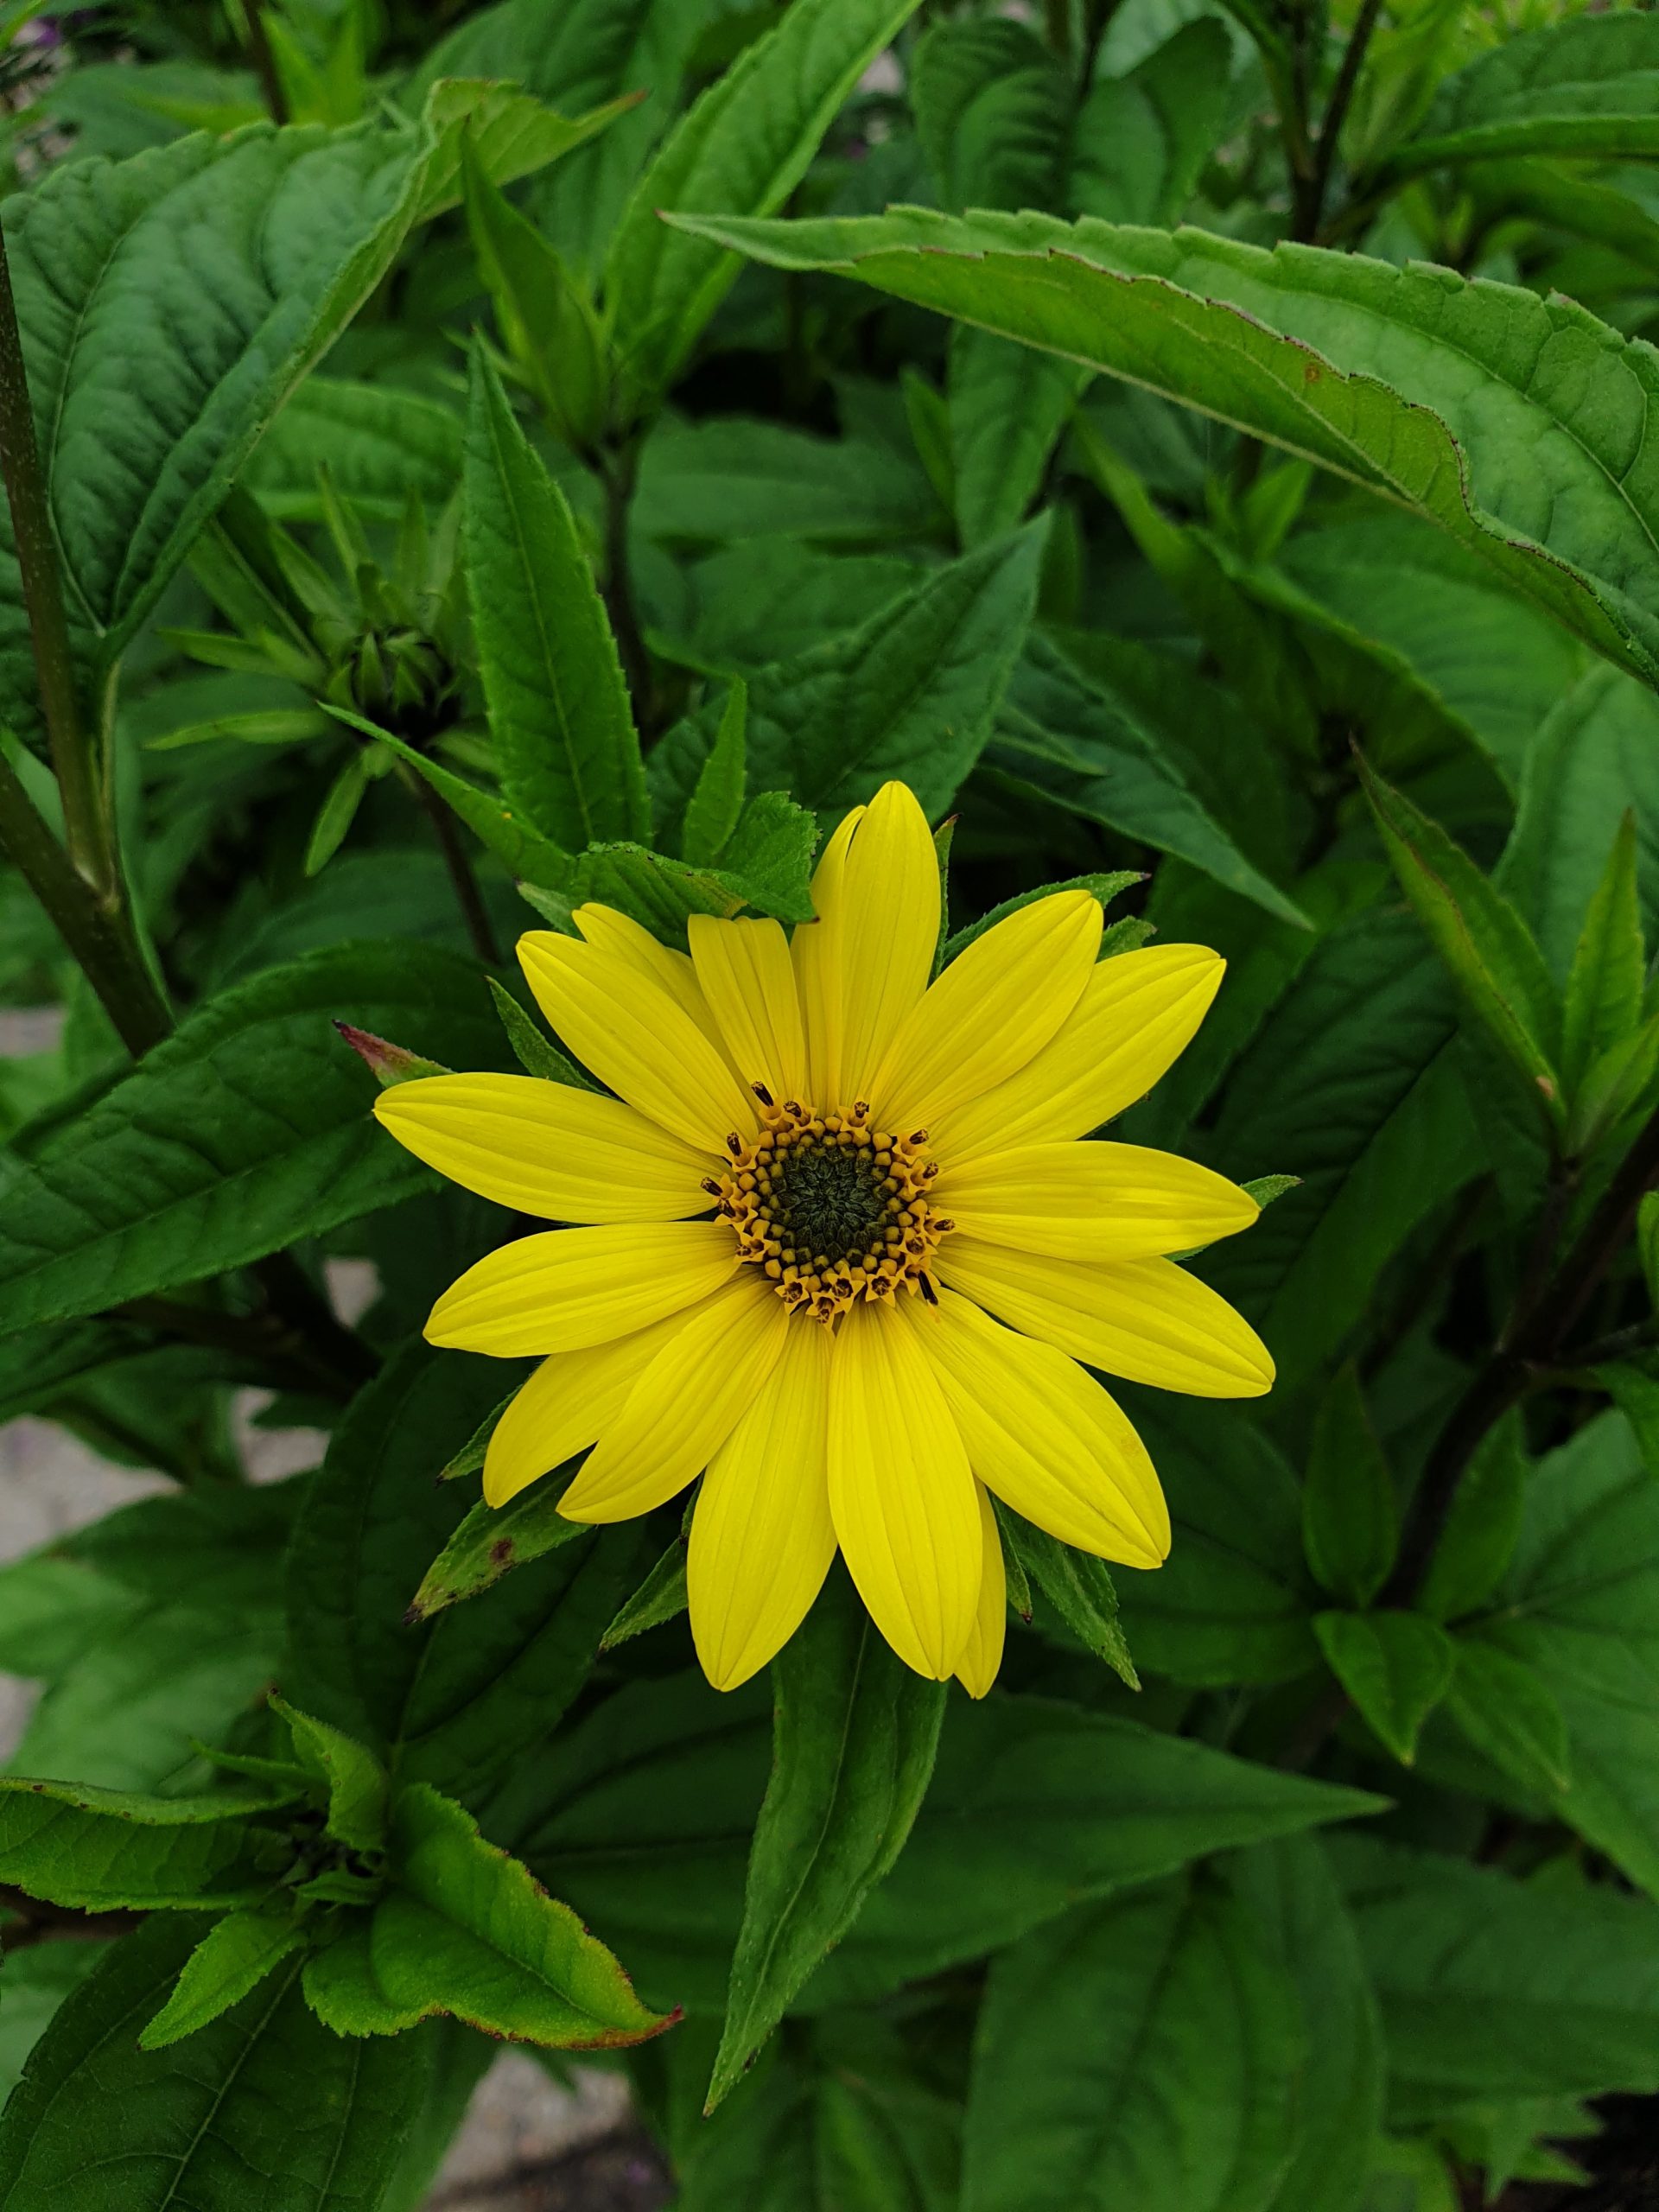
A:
{"points": [[901, 1492], [813, 954], [995, 1006], [626, 939], [1092, 1201], [568, 1288], [635, 1037], [567, 1401], [761, 1537], [877, 897], [1147, 1320], [1043, 1435], [744, 970], [982, 1653], [1137, 1013], [684, 1405], [546, 1149]]}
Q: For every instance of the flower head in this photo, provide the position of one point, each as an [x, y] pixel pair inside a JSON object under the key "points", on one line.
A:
{"points": [[843, 1253]]}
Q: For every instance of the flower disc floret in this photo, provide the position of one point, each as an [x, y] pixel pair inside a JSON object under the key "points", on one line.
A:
{"points": [[829, 1208]]}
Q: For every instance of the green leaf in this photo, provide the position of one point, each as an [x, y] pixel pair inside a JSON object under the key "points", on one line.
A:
{"points": [[37, 1980], [1486, 945], [1396, 1667], [1409, 381], [246, 1129], [353, 1778], [99, 1850], [339, 810], [263, 2090], [148, 396], [456, 1700], [1494, 1988], [493, 1539], [1067, 739], [1350, 1517], [547, 322], [537, 1055], [1234, 1601], [464, 1929], [1481, 1531], [1086, 2026], [744, 146], [558, 707], [1079, 1588], [992, 107], [1008, 407], [377, 442], [910, 694], [1351, 1080], [1300, 1913], [1141, 142], [1508, 1710], [1103, 887], [509, 133], [1603, 991], [855, 1733], [1585, 85], [1647, 1242], [233, 1958], [662, 1596], [712, 812], [738, 477]]}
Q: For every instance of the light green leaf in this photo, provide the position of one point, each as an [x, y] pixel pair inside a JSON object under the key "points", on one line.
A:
{"points": [[1587, 85], [993, 110], [1396, 1667], [493, 1539], [744, 146], [1488, 948], [1406, 380], [37, 1980], [377, 442], [1604, 990], [264, 2089], [855, 1733], [663, 1596], [99, 1850], [715, 804], [1350, 1516], [911, 693], [233, 1958], [511, 134], [558, 707], [248, 1128], [353, 1778], [1140, 141], [1086, 2026], [1079, 1588], [464, 1929]]}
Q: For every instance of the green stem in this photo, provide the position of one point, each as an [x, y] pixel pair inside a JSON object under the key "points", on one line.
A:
{"points": [[617, 469], [85, 823], [265, 61], [97, 935], [469, 897], [1336, 114], [1057, 23]]}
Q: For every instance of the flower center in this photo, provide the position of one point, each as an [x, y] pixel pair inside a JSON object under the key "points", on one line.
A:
{"points": [[832, 1209]]}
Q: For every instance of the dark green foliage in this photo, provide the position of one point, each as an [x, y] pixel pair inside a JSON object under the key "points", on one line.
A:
{"points": [[492, 459]]}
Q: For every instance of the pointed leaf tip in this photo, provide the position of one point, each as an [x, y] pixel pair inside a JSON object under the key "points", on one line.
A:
{"points": [[389, 1064]]}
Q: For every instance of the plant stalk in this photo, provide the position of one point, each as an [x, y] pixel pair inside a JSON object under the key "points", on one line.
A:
{"points": [[469, 897], [85, 822], [616, 470], [264, 62], [1336, 114]]}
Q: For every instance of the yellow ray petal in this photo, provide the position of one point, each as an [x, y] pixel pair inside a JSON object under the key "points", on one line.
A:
{"points": [[635, 1037], [878, 908], [546, 1149], [567, 1401], [1043, 1435], [982, 1653], [744, 970], [566, 1289], [1137, 1013], [813, 953], [995, 1007], [684, 1406], [761, 1537], [1147, 1320], [1092, 1201], [901, 1492]]}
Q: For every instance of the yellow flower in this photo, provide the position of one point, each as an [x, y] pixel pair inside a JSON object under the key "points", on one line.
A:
{"points": [[843, 1253]]}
